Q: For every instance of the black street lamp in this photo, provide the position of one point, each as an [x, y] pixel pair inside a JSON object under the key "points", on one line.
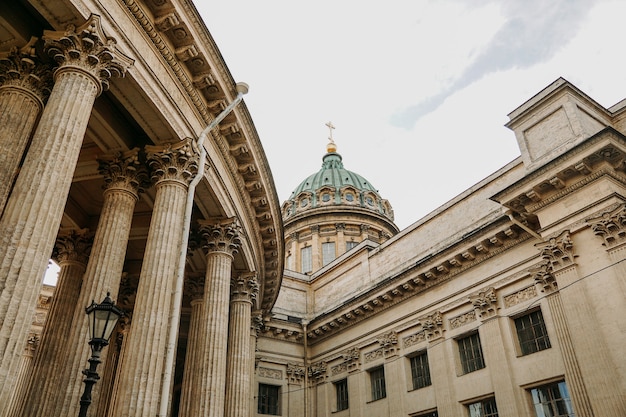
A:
{"points": [[102, 320]]}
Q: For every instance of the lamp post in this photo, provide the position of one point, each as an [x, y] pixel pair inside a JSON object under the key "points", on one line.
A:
{"points": [[102, 320]]}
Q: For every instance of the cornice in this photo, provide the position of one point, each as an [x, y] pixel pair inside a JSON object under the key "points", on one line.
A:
{"points": [[254, 184], [417, 279]]}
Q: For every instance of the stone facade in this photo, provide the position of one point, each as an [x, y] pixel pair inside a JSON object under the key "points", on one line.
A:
{"points": [[102, 105], [514, 287]]}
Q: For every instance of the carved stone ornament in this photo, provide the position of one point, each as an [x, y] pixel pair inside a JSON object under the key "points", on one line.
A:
{"points": [[610, 226], [318, 372], [124, 170], [525, 294], [295, 373], [352, 359], [244, 288], [433, 325], [484, 303], [87, 48], [21, 68], [221, 236], [389, 343], [32, 344], [414, 339], [270, 373], [543, 277], [194, 287], [462, 319], [74, 246], [558, 251], [175, 162]]}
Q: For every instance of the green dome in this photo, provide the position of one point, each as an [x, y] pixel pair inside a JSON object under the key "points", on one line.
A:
{"points": [[333, 185]]}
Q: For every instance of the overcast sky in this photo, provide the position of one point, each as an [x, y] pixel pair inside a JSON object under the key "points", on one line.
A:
{"points": [[418, 90]]}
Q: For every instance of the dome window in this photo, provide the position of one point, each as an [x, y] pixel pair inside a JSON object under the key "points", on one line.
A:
{"points": [[304, 202], [369, 201], [350, 197], [325, 197]]}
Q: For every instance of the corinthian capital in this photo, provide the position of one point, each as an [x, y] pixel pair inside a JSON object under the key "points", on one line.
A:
{"points": [[220, 236], [485, 302], [176, 161], [244, 288], [124, 170], [558, 251], [87, 48], [610, 226], [73, 246], [21, 68]]}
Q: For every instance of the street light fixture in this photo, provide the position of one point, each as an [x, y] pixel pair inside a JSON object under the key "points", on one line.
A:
{"points": [[102, 320]]}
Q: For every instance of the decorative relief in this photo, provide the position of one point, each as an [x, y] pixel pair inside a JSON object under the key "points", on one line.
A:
{"points": [[295, 373], [388, 342], [74, 246], [339, 369], [39, 319], [610, 226], [525, 294], [220, 236], [558, 251], [484, 303], [88, 48], [32, 344], [257, 323], [269, 373], [542, 275], [194, 287], [433, 325], [351, 358], [414, 339], [21, 68], [244, 288], [43, 302], [175, 161], [462, 319], [373, 355], [124, 170], [318, 372]]}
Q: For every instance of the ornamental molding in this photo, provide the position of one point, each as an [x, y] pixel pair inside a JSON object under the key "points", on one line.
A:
{"points": [[88, 49], [417, 279], [520, 296], [462, 319], [20, 68], [414, 339], [269, 373]]}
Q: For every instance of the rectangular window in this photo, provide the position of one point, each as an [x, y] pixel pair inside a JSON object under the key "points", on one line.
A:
{"points": [[351, 244], [305, 258], [420, 372], [552, 400], [341, 390], [471, 353], [532, 333], [328, 253], [269, 396], [484, 408], [377, 379]]}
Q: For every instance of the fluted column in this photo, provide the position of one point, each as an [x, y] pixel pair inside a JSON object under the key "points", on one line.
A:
{"points": [[244, 292], [195, 288], [31, 218], [220, 243], [25, 84], [172, 169], [26, 368], [72, 252]]}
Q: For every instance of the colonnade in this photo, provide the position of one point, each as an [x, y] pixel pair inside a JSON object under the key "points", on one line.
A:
{"points": [[44, 112]]}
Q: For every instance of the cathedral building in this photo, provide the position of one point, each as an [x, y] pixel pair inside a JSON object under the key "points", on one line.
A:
{"points": [[128, 157]]}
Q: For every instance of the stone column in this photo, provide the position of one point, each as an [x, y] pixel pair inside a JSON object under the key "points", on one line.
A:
{"points": [[26, 368], [316, 251], [506, 393], [195, 289], [71, 252], [138, 394], [25, 85], [341, 238], [220, 242], [244, 292], [29, 225]]}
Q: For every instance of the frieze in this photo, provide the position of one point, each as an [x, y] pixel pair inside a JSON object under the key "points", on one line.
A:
{"points": [[373, 355], [269, 373], [339, 369], [414, 339], [516, 298], [462, 319]]}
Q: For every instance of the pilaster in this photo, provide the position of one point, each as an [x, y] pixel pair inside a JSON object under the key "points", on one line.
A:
{"points": [[28, 228], [25, 84], [244, 292], [172, 167]]}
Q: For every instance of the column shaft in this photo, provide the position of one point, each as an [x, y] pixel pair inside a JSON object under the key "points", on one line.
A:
{"points": [[189, 385]]}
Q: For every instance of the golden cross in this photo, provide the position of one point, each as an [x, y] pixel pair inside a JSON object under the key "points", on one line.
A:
{"points": [[330, 127]]}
